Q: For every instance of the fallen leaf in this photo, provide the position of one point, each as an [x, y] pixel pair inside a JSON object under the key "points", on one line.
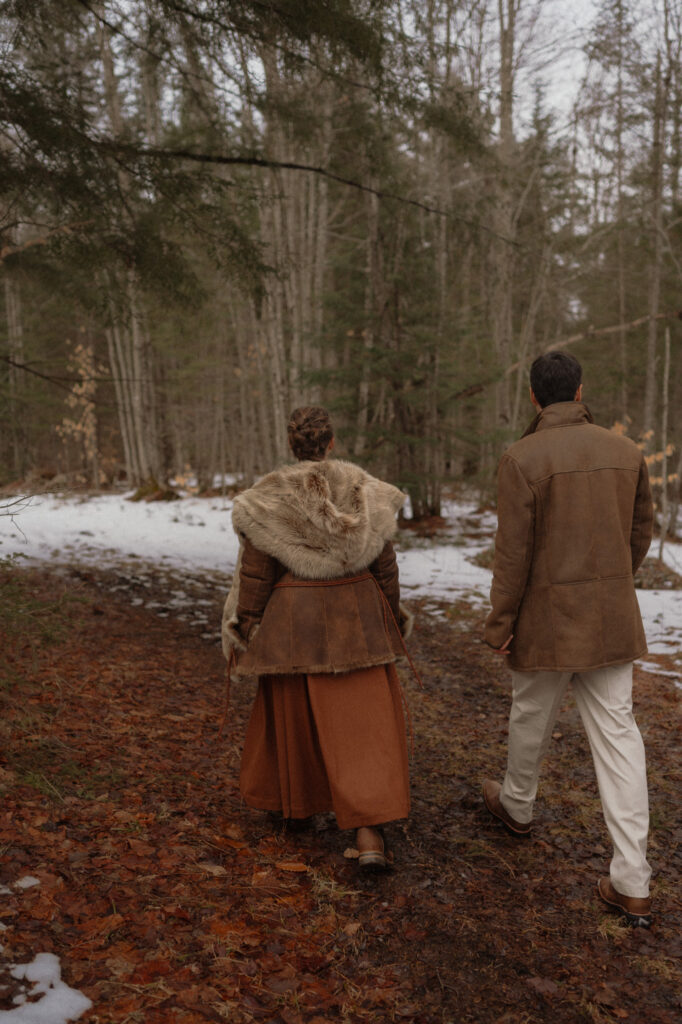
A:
{"points": [[212, 869], [141, 848], [545, 986], [150, 970], [607, 997], [285, 980], [291, 865]]}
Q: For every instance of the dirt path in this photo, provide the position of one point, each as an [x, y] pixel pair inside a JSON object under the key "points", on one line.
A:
{"points": [[167, 901]]}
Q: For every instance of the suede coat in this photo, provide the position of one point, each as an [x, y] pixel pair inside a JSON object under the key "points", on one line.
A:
{"points": [[316, 584], [575, 521]]}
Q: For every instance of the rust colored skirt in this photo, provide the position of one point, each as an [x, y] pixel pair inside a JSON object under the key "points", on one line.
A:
{"points": [[326, 742]]}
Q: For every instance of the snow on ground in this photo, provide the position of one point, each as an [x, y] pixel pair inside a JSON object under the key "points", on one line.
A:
{"points": [[443, 568], [27, 882], [42, 997], [195, 535], [55, 1002], [191, 533]]}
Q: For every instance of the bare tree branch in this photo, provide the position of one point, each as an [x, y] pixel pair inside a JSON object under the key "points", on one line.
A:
{"points": [[253, 160], [587, 334], [11, 250]]}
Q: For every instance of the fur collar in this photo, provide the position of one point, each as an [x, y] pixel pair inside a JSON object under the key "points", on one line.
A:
{"points": [[319, 519]]}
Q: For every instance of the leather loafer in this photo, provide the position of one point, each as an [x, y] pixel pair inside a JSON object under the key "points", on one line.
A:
{"points": [[636, 910], [491, 796]]}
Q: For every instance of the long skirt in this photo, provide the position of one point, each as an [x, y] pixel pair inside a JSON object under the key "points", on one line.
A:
{"points": [[317, 743]]}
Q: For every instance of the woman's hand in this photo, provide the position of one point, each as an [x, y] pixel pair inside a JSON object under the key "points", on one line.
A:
{"points": [[504, 649]]}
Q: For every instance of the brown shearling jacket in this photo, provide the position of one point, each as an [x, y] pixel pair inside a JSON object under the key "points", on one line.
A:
{"points": [[575, 520], [316, 584], [294, 625]]}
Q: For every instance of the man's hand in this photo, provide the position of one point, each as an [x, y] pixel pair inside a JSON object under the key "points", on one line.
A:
{"points": [[504, 649]]}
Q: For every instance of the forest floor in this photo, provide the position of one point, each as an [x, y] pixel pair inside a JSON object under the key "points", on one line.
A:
{"points": [[168, 901]]}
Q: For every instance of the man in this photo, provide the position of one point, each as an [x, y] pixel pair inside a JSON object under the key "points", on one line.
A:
{"points": [[575, 520]]}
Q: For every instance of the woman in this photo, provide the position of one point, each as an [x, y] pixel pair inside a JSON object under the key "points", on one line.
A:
{"points": [[314, 612]]}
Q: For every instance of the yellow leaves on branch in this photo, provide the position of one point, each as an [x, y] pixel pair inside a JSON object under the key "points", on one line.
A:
{"points": [[81, 424], [186, 480], [621, 428], [672, 479], [653, 458]]}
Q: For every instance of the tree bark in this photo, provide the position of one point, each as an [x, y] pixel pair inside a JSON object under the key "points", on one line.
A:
{"points": [[664, 444], [15, 348], [657, 158]]}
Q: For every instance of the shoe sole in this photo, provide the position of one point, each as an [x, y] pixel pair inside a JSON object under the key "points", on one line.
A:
{"points": [[373, 860], [518, 833], [634, 920]]}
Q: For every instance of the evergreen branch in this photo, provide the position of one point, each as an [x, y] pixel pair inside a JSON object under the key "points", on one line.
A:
{"points": [[118, 30], [286, 51], [359, 38], [12, 250], [292, 165]]}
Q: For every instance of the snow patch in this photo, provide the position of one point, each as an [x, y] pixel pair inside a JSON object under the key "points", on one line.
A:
{"points": [[189, 533], [27, 882], [655, 670], [58, 1003]]}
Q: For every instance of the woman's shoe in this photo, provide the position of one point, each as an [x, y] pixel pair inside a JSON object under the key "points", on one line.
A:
{"points": [[372, 854]]}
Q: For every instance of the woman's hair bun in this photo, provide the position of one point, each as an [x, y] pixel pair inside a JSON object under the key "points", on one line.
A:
{"points": [[310, 431]]}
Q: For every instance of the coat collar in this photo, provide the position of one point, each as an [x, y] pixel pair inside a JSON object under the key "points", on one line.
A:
{"points": [[560, 414]]}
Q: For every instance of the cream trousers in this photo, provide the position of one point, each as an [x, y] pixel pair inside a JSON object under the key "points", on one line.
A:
{"points": [[604, 699]]}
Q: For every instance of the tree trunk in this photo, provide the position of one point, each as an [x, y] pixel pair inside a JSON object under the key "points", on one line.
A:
{"points": [[657, 158], [15, 348], [128, 334], [371, 320], [502, 251], [664, 445], [620, 170]]}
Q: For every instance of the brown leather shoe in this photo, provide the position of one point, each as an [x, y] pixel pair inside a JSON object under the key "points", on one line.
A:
{"points": [[371, 846], [491, 796], [635, 910]]}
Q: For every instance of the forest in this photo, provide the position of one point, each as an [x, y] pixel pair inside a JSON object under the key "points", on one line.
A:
{"points": [[212, 211]]}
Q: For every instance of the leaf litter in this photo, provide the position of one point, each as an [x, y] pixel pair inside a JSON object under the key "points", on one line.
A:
{"points": [[166, 900]]}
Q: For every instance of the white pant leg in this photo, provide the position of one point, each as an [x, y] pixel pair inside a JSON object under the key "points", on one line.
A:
{"points": [[604, 699], [536, 697]]}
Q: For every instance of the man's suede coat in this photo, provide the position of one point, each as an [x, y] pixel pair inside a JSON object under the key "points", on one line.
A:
{"points": [[307, 533], [575, 520]]}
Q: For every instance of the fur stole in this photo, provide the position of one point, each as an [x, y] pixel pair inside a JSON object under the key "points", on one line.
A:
{"points": [[319, 519]]}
